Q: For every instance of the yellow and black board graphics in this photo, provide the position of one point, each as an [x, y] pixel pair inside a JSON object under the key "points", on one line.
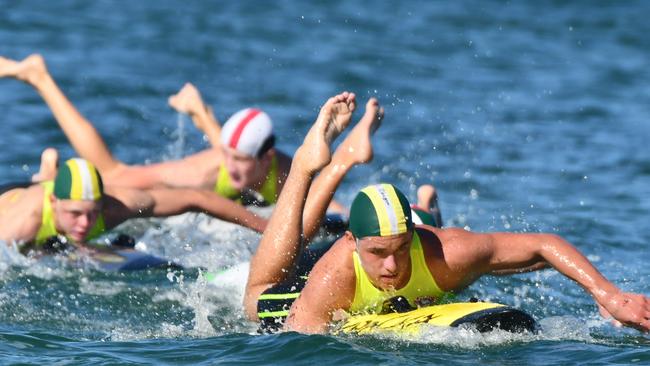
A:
{"points": [[484, 316]]}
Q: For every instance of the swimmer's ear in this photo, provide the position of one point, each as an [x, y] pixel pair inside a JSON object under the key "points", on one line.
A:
{"points": [[52, 198]]}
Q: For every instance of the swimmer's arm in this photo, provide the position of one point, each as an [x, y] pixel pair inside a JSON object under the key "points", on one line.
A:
{"points": [[509, 251], [330, 287], [168, 202]]}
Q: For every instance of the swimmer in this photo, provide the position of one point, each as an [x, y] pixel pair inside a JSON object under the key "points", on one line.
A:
{"points": [[385, 256], [78, 206], [243, 163]]}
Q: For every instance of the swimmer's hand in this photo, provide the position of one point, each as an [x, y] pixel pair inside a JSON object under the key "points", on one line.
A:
{"points": [[629, 309]]}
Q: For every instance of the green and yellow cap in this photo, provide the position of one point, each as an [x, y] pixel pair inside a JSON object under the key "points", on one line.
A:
{"points": [[380, 210], [78, 180]]}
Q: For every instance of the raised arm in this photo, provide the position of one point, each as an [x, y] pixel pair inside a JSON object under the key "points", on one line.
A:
{"points": [[166, 202], [506, 251], [188, 100]]}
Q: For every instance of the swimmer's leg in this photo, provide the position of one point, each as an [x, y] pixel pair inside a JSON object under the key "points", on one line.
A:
{"points": [[282, 241], [428, 199], [188, 100], [80, 132], [355, 149], [48, 168]]}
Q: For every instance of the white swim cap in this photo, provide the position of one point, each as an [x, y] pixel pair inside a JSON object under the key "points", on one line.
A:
{"points": [[249, 131]]}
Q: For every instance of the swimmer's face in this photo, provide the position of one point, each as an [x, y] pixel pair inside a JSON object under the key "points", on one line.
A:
{"points": [[75, 218], [386, 260], [246, 171]]}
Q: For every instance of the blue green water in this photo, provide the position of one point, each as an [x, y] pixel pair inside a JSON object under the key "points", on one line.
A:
{"points": [[528, 116]]}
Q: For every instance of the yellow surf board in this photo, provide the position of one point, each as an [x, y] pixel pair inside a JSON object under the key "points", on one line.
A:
{"points": [[485, 316]]}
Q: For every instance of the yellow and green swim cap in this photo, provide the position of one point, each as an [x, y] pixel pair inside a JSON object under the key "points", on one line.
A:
{"points": [[78, 180], [380, 210]]}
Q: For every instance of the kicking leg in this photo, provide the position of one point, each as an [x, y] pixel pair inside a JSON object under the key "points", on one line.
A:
{"points": [[188, 100], [355, 149], [82, 135], [428, 200], [80, 132], [48, 168], [282, 241]]}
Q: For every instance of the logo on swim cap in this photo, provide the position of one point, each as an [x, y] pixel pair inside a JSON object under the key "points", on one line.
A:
{"points": [[380, 210], [78, 180], [249, 131]]}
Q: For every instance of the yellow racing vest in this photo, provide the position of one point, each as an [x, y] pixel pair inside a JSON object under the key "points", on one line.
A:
{"points": [[269, 190], [48, 227], [421, 289]]}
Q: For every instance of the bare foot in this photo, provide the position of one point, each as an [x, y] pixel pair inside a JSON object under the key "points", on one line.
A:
{"points": [[48, 169], [188, 100], [334, 117], [426, 196], [357, 148], [30, 70], [428, 200]]}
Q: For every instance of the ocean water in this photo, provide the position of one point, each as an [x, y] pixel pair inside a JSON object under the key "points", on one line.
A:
{"points": [[527, 116]]}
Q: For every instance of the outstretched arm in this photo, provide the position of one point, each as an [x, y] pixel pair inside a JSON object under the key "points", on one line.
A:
{"points": [[514, 251], [188, 100], [166, 202]]}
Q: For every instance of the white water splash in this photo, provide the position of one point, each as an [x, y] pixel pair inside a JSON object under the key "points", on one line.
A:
{"points": [[11, 257], [198, 240], [177, 149], [467, 337], [101, 288], [166, 330]]}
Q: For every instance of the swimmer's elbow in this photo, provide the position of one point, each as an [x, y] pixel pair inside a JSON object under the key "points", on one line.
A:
{"points": [[551, 245]]}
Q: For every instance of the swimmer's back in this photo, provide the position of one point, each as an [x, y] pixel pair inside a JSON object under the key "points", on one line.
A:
{"points": [[11, 192]]}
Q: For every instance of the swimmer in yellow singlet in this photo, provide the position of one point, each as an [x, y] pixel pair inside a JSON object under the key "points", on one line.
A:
{"points": [[76, 205], [384, 254]]}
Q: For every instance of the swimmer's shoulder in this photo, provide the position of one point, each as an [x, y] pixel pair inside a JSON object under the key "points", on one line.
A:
{"points": [[333, 274], [339, 257], [22, 218]]}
